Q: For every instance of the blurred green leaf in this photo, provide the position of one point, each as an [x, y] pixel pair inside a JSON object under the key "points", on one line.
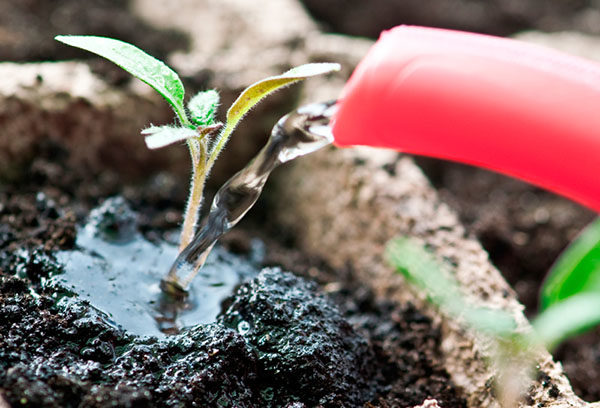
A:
{"points": [[577, 270], [420, 268], [139, 64], [203, 107], [567, 318]]}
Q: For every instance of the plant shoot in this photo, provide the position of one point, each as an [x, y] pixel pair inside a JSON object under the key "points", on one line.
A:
{"points": [[196, 121]]}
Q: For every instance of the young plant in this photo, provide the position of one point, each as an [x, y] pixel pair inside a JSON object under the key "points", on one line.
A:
{"points": [[196, 121], [513, 353], [432, 278], [570, 304], [570, 296]]}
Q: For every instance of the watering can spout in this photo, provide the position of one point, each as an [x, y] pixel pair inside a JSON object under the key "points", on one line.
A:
{"points": [[509, 106]]}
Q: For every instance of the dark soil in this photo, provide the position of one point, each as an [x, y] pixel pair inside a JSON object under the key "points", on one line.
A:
{"points": [[281, 342], [498, 17], [523, 229]]}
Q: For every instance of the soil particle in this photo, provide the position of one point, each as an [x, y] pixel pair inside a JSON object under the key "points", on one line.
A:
{"points": [[114, 220]]}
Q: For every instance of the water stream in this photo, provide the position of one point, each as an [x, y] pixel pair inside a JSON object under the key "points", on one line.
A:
{"points": [[300, 132], [118, 271]]}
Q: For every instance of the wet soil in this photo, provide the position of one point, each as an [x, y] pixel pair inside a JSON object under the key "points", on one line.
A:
{"points": [[523, 228], [282, 340]]}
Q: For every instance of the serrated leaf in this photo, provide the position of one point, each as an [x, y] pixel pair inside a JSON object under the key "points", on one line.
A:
{"points": [[257, 91], [420, 268], [203, 107], [567, 318], [576, 270], [135, 61], [161, 136]]}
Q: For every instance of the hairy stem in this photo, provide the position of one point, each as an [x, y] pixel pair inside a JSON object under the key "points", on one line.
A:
{"points": [[218, 146], [194, 202]]}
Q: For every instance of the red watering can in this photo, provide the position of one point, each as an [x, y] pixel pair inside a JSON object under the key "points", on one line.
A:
{"points": [[516, 108]]}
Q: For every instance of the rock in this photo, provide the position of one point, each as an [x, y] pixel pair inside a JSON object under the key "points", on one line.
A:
{"points": [[113, 220]]}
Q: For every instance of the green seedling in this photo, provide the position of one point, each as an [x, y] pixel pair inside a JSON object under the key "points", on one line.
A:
{"points": [[434, 279], [570, 304], [513, 353], [577, 270], [571, 295], [570, 298], [195, 122]]}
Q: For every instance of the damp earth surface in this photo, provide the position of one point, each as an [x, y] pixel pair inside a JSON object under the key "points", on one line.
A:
{"points": [[269, 338]]}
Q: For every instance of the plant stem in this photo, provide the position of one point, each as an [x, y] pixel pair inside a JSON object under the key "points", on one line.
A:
{"points": [[192, 209], [201, 165], [218, 146]]}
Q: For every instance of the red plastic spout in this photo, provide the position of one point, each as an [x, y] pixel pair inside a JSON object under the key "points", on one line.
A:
{"points": [[516, 108]]}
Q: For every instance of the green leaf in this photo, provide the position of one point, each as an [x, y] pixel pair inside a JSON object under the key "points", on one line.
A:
{"points": [[577, 270], [203, 107], [421, 269], [567, 318], [161, 136], [139, 64], [257, 91]]}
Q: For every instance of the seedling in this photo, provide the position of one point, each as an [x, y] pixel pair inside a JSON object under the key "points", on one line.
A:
{"points": [[195, 122], [570, 299], [570, 296], [421, 269]]}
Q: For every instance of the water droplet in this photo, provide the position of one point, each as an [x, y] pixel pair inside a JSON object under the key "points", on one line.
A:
{"points": [[243, 327], [267, 394]]}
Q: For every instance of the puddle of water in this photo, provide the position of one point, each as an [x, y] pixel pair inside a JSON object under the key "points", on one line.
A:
{"points": [[120, 273], [122, 280]]}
